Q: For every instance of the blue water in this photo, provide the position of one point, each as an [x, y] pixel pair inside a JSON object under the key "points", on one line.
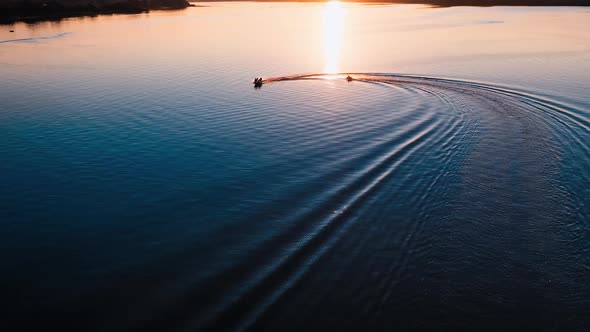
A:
{"points": [[146, 185]]}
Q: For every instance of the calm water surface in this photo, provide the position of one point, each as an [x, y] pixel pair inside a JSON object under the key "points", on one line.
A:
{"points": [[145, 185]]}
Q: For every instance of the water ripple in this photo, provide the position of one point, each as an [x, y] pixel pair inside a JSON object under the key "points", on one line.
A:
{"points": [[481, 140]]}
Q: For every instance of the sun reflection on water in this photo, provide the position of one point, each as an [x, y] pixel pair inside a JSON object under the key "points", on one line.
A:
{"points": [[333, 15]]}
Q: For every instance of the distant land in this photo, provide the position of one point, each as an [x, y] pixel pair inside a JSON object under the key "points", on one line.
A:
{"points": [[36, 10], [39, 10]]}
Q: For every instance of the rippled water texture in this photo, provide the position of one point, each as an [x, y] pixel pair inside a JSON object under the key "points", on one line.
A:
{"points": [[145, 185]]}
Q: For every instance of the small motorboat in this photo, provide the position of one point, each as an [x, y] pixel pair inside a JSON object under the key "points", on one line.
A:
{"points": [[257, 82], [348, 78]]}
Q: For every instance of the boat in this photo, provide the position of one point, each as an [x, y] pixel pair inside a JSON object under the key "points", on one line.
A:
{"points": [[348, 78], [257, 82]]}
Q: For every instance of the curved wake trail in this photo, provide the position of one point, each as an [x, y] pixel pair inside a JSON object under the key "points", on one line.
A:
{"points": [[466, 183], [35, 39]]}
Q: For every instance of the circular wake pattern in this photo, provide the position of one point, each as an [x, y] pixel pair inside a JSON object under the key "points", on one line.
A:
{"points": [[465, 207]]}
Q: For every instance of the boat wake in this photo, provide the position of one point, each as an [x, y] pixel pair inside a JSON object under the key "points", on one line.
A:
{"points": [[461, 181], [35, 39]]}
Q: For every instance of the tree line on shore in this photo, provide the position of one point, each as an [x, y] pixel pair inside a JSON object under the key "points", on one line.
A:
{"points": [[13, 9]]}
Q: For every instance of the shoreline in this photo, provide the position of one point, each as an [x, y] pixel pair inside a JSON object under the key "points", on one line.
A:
{"points": [[56, 10], [35, 11]]}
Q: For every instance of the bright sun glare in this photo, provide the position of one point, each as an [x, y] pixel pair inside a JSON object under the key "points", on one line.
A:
{"points": [[333, 15]]}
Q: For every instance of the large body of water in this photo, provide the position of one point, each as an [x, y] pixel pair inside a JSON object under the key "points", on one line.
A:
{"points": [[146, 185]]}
